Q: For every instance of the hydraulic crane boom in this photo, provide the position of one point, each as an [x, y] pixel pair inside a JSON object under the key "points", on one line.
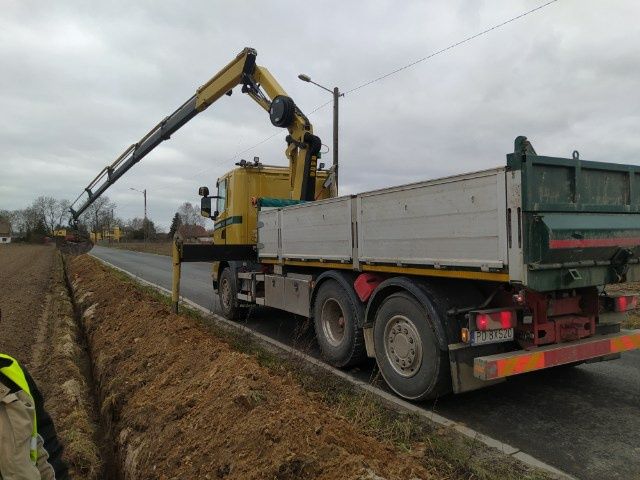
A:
{"points": [[302, 145]]}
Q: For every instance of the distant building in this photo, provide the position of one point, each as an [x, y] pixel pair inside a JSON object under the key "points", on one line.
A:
{"points": [[194, 232], [5, 231], [111, 236]]}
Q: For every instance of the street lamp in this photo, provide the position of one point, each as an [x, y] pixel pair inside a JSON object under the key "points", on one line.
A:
{"points": [[143, 192], [336, 96]]}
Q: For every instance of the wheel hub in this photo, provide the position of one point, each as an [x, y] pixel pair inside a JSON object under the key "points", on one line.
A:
{"points": [[225, 289], [333, 322], [403, 346]]}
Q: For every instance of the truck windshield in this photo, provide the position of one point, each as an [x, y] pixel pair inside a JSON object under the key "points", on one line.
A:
{"points": [[221, 202]]}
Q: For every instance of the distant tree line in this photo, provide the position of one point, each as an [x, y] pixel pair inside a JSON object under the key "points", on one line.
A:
{"points": [[46, 214]]}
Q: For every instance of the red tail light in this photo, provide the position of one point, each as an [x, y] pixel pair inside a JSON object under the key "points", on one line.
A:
{"points": [[624, 303], [495, 319], [482, 321]]}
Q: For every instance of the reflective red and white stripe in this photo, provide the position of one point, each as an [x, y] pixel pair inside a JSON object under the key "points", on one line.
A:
{"points": [[521, 361]]}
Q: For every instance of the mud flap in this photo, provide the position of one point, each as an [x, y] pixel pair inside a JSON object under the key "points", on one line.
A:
{"points": [[461, 358]]}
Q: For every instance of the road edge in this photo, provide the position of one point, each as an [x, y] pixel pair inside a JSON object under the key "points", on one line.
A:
{"points": [[386, 397]]}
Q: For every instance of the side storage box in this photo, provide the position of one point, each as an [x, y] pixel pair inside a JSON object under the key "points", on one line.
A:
{"points": [[274, 291]]}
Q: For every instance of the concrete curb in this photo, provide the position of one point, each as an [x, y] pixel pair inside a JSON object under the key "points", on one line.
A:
{"points": [[388, 398]]}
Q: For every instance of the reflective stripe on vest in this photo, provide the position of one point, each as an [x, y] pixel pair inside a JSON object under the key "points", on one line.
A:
{"points": [[14, 373]]}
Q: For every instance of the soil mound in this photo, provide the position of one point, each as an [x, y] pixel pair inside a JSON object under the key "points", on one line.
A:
{"points": [[182, 403]]}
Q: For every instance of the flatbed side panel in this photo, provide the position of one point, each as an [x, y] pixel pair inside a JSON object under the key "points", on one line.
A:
{"points": [[269, 233], [318, 230], [456, 222], [508, 364]]}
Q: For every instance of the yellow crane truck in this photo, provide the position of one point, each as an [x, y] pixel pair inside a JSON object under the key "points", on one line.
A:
{"points": [[450, 284]]}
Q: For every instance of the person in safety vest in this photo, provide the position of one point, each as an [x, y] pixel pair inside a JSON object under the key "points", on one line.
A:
{"points": [[29, 446]]}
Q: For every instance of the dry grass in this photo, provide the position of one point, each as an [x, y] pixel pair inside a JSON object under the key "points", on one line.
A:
{"points": [[632, 319]]}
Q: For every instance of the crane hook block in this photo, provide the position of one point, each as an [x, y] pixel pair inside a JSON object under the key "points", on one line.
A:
{"points": [[282, 111]]}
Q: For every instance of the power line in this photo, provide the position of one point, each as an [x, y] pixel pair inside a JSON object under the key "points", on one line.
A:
{"points": [[382, 77], [397, 70], [450, 47]]}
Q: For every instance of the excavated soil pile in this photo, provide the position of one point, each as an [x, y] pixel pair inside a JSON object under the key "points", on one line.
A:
{"points": [[181, 403]]}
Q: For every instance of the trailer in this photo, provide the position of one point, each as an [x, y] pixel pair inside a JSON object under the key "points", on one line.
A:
{"points": [[456, 283]]}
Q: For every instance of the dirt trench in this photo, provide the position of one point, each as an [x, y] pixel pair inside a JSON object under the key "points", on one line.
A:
{"points": [[181, 403], [39, 328]]}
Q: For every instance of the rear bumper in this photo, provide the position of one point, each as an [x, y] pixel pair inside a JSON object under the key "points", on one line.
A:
{"points": [[507, 364]]}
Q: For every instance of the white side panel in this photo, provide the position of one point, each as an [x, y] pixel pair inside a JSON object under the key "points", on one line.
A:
{"points": [[268, 233], [456, 221], [517, 270], [318, 230]]}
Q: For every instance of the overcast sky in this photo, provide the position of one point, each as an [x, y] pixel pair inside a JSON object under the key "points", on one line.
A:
{"points": [[83, 80]]}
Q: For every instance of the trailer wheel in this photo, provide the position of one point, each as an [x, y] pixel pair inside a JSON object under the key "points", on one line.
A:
{"points": [[228, 294], [407, 350], [335, 320]]}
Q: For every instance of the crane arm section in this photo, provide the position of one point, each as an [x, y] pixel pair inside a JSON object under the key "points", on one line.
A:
{"points": [[302, 146]]}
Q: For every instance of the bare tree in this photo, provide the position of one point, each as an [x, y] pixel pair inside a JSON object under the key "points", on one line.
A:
{"points": [[63, 212], [47, 208], [98, 215], [190, 215]]}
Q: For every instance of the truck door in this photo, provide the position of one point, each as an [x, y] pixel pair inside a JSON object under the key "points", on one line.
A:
{"points": [[220, 233]]}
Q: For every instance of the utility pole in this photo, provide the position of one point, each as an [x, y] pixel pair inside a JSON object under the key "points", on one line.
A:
{"points": [[336, 97], [145, 222]]}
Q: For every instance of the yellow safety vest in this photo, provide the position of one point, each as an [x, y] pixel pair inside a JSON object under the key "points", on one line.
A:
{"points": [[14, 373]]}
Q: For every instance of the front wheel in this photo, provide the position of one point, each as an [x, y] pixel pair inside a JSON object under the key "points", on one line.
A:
{"points": [[407, 350], [228, 294]]}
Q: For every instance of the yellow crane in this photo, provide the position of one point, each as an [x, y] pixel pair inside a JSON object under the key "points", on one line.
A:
{"points": [[302, 149], [240, 189]]}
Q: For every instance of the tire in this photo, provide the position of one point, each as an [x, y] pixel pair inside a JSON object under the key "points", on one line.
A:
{"points": [[407, 350], [228, 294], [337, 326]]}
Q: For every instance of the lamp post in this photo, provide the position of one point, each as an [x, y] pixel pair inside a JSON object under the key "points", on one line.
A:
{"points": [[336, 96], [144, 226]]}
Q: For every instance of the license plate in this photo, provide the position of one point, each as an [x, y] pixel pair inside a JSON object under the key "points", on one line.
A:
{"points": [[481, 337]]}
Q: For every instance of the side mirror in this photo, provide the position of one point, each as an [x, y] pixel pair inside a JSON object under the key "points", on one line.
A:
{"points": [[205, 207], [215, 214], [203, 191]]}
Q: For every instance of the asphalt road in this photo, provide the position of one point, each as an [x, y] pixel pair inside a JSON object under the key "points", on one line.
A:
{"points": [[583, 420]]}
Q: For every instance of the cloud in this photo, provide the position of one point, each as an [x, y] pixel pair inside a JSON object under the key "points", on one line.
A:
{"points": [[82, 81]]}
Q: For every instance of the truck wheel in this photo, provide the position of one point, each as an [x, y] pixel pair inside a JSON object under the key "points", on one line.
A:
{"points": [[407, 350], [335, 318], [228, 294]]}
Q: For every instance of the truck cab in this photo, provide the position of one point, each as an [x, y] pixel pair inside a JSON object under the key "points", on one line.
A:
{"points": [[238, 191]]}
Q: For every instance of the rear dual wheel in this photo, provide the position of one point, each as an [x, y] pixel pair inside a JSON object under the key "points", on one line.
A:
{"points": [[337, 326], [407, 350]]}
